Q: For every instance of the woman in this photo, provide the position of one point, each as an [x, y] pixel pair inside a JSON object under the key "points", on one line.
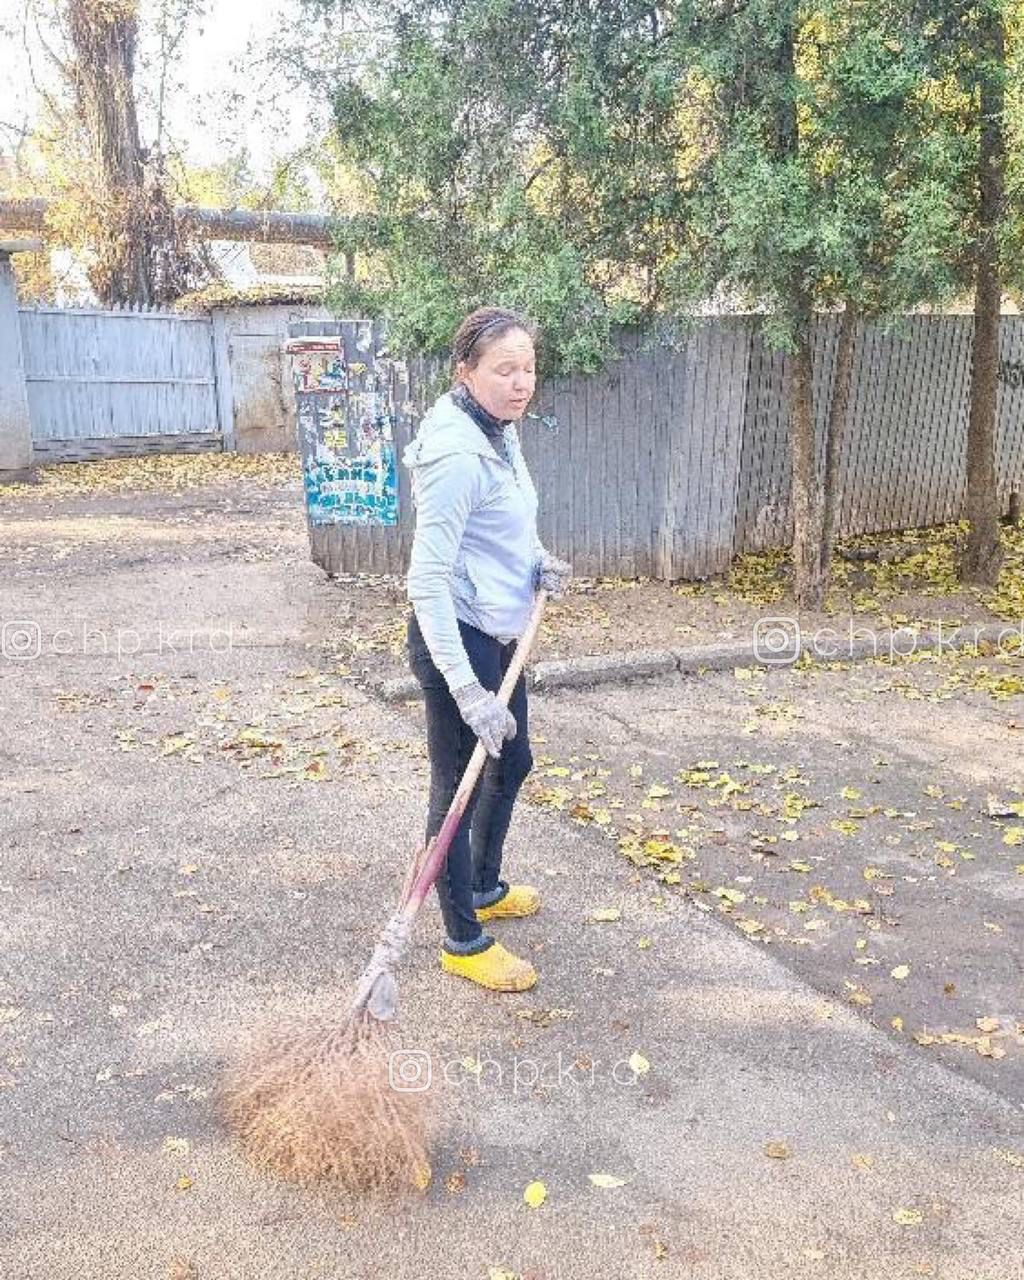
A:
{"points": [[475, 565]]}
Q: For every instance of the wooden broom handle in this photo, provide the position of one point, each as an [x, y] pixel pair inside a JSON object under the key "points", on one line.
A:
{"points": [[428, 866]]}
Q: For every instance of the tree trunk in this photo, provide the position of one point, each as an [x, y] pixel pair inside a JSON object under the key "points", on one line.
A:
{"points": [[837, 413], [127, 217], [809, 579], [983, 555]]}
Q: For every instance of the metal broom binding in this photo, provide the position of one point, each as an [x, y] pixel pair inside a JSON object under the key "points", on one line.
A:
{"points": [[314, 1101]]}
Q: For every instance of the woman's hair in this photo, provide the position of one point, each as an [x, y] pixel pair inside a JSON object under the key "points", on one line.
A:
{"points": [[483, 327]]}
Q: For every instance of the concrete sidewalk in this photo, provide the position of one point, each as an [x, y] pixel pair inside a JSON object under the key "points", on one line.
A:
{"points": [[159, 894]]}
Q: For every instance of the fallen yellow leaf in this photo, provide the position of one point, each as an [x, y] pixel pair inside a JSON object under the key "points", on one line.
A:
{"points": [[535, 1194], [900, 972], [907, 1217], [638, 1064], [603, 915], [606, 1180], [778, 1150]]}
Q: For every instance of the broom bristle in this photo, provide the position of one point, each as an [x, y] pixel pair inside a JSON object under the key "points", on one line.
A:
{"points": [[315, 1103]]}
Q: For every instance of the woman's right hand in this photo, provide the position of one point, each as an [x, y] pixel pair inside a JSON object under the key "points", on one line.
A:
{"points": [[552, 574], [492, 722]]}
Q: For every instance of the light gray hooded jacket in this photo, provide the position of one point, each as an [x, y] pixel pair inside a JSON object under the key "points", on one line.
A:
{"points": [[475, 549]]}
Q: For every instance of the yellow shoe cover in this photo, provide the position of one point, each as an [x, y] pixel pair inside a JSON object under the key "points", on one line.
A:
{"points": [[521, 900], [494, 968]]}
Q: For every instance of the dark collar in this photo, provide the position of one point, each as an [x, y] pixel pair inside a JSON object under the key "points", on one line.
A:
{"points": [[487, 422]]}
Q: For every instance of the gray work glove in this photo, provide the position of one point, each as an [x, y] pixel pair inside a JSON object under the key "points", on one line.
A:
{"points": [[552, 575], [490, 721]]}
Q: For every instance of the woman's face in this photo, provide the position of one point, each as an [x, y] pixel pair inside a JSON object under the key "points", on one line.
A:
{"points": [[505, 377]]}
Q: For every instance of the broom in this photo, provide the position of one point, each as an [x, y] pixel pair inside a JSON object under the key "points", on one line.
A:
{"points": [[316, 1101]]}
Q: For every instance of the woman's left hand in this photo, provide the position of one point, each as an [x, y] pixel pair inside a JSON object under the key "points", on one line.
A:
{"points": [[552, 575]]}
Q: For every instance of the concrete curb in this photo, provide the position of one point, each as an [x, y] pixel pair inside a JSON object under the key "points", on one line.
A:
{"points": [[617, 668]]}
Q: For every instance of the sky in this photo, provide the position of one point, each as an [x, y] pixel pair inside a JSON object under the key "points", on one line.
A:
{"points": [[220, 103]]}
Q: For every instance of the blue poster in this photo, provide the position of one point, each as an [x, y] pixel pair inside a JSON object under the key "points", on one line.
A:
{"points": [[346, 436]]}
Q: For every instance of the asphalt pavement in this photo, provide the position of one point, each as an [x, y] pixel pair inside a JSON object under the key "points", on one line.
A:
{"points": [[204, 824]]}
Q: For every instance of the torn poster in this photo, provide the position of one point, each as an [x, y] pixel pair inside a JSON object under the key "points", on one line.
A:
{"points": [[345, 431]]}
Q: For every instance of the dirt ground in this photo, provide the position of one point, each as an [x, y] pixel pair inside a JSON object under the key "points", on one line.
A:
{"points": [[216, 505]]}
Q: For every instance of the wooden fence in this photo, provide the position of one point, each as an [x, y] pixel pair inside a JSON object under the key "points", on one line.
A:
{"points": [[102, 383], [903, 460], [667, 464], [673, 461]]}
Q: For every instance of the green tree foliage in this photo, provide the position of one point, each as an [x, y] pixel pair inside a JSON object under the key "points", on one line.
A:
{"points": [[1012, 230], [868, 203], [614, 160], [595, 163], [526, 153]]}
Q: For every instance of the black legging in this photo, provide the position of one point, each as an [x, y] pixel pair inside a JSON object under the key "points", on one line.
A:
{"points": [[474, 859]]}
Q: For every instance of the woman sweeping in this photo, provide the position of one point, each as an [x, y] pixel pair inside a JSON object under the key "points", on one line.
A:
{"points": [[476, 563]]}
